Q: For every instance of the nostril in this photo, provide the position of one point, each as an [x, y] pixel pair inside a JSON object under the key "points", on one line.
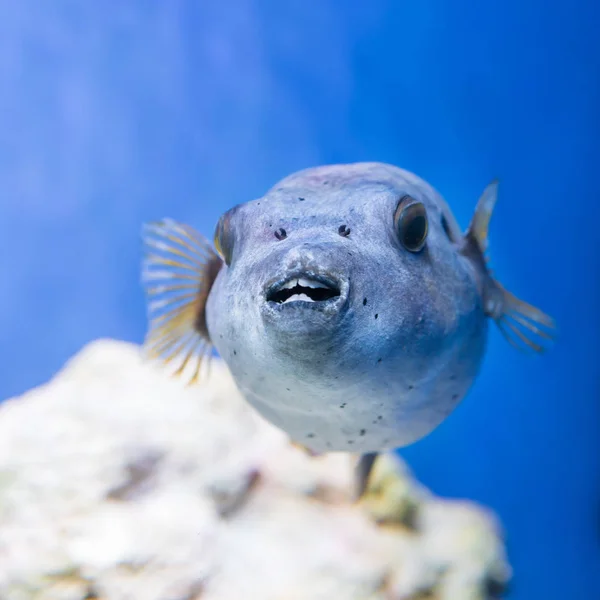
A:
{"points": [[281, 234], [344, 231]]}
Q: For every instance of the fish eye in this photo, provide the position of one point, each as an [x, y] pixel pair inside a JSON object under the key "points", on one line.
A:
{"points": [[410, 221], [223, 239]]}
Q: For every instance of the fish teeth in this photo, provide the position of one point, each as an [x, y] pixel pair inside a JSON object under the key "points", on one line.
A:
{"points": [[298, 298], [310, 283], [290, 284], [302, 282]]}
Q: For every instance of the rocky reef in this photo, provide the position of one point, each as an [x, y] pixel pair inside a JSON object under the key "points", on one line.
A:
{"points": [[119, 483]]}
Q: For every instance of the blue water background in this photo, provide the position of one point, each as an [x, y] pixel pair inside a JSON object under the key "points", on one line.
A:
{"points": [[115, 113]]}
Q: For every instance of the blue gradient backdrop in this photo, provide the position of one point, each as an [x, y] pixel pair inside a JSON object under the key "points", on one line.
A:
{"points": [[115, 113]]}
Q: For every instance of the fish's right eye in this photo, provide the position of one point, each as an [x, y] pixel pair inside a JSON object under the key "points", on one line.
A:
{"points": [[223, 239]]}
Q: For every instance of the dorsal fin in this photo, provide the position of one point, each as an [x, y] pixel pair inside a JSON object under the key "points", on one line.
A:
{"points": [[179, 269], [480, 222]]}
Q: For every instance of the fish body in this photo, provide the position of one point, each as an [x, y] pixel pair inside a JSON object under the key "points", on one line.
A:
{"points": [[348, 305]]}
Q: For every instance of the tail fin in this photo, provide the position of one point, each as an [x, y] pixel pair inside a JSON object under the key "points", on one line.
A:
{"points": [[524, 326]]}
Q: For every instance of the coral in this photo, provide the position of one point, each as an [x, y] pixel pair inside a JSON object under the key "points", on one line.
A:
{"points": [[119, 483]]}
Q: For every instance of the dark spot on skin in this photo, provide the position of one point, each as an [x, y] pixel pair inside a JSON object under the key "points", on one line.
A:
{"points": [[221, 335], [452, 377], [363, 431], [364, 301], [349, 253], [281, 234], [376, 315], [379, 418], [270, 224], [325, 182], [454, 396], [288, 389], [350, 442], [301, 199], [344, 231], [310, 435], [258, 204], [235, 352], [328, 444], [379, 360], [411, 387], [343, 405]]}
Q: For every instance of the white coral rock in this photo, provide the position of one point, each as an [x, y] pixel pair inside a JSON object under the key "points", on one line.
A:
{"points": [[119, 483]]}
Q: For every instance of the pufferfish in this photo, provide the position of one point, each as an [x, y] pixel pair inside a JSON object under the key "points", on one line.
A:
{"points": [[348, 305]]}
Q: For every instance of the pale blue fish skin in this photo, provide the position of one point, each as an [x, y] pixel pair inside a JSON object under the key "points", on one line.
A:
{"points": [[385, 363]]}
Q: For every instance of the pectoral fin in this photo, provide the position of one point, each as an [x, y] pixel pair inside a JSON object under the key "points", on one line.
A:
{"points": [[523, 325], [179, 269]]}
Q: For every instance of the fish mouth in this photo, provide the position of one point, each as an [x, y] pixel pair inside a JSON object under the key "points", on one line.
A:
{"points": [[305, 289]]}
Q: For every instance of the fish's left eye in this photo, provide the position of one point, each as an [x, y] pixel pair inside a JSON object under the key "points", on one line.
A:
{"points": [[223, 239], [411, 224]]}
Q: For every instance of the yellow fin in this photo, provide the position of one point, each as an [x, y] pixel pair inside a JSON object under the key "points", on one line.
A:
{"points": [[523, 325], [178, 271], [483, 214]]}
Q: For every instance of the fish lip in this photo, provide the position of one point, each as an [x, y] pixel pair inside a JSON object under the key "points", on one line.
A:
{"points": [[328, 279]]}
